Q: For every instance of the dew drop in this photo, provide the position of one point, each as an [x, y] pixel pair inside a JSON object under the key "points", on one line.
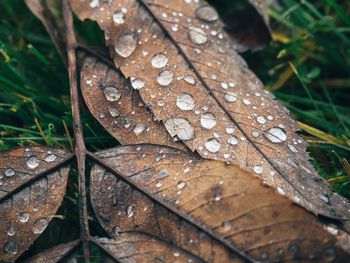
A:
{"points": [[292, 148], [258, 169], [180, 127], [11, 247], [11, 231], [281, 191], [118, 17], [181, 185], [165, 77], [246, 102], [233, 140], [112, 94], [212, 145], [185, 102], [130, 211], [255, 134], [230, 129], [159, 61], [230, 97], [159, 184], [94, 3], [197, 35], [40, 225], [139, 128], [137, 84], [261, 119], [10, 172], [125, 45], [324, 198], [32, 162], [23, 217], [226, 226], [190, 79], [208, 120], [276, 135], [50, 158], [114, 112]]}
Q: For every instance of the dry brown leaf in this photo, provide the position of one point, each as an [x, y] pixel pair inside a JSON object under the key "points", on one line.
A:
{"points": [[177, 52], [119, 108], [28, 200], [57, 254], [209, 203]]}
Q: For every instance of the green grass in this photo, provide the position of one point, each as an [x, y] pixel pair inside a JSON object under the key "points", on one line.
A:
{"points": [[307, 67]]}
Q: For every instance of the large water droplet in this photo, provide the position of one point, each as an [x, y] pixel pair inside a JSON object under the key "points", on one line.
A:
{"points": [[137, 83], [139, 128], [40, 225], [207, 13], [119, 17], [32, 162], [23, 217], [197, 35], [125, 45], [10, 172], [212, 145], [233, 140], [50, 158], [165, 77], [208, 120], [181, 185], [180, 127], [230, 97], [159, 61], [276, 135], [112, 94], [185, 102], [11, 247]]}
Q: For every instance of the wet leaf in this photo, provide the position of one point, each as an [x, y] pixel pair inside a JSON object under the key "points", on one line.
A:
{"points": [[119, 108], [194, 204], [31, 191], [213, 102], [57, 254]]}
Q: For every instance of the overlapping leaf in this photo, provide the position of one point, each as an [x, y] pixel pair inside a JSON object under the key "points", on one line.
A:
{"points": [[204, 208], [177, 55], [30, 194]]}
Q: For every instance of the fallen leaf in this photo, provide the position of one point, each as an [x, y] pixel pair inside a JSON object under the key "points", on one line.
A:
{"points": [[31, 192], [178, 53], [119, 108], [57, 254], [205, 208]]}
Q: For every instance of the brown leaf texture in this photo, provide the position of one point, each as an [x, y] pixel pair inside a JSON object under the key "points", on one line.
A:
{"points": [[218, 209], [28, 201], [119, 108], [177, 52], [57, 254]]}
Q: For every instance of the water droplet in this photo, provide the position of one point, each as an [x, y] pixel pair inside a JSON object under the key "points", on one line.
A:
{"points": [[197, 35], [165, 77], [125, 45], [190, 79], [10, 172], [276, 135], [94, 3], [159, 61], [226, 226], [137, 84], [208, 120], [32, 162], [50, 158], [139, 128], [40, 225], [180, 127], [114, 112], [181, 185], [246, 102], [11, 231], [255, 134], [281, 191], [230, 97], [324, 198], [185, 102], [130, 211], [159, 184], [261, 119], [212, 145], [23, 217], [292, 148], [118, 17], [207, 13], [112, 94], [258, 169], [230, 129], [11, 247], [217, 197], [176, 254], [233, 140]]}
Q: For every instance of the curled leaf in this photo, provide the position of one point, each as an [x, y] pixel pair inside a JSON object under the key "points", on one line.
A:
{"points": [[31, 191], [195, 203], [178, 53], [119, 108]]}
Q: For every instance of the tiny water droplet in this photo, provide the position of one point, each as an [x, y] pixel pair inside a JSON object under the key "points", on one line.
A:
{"points": [[261, 119], [258, 169], [139, 128], [230, 129], [11, 231], [233, 140], [230, 97], [190, 79], [9, 172], [118, 17], [23, 217], [181, 185], [130, 211]]}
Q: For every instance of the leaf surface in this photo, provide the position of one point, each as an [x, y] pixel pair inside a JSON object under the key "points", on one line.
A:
{"points": [[178, 53], [207, 208], [119, 108], [31, 192]]}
